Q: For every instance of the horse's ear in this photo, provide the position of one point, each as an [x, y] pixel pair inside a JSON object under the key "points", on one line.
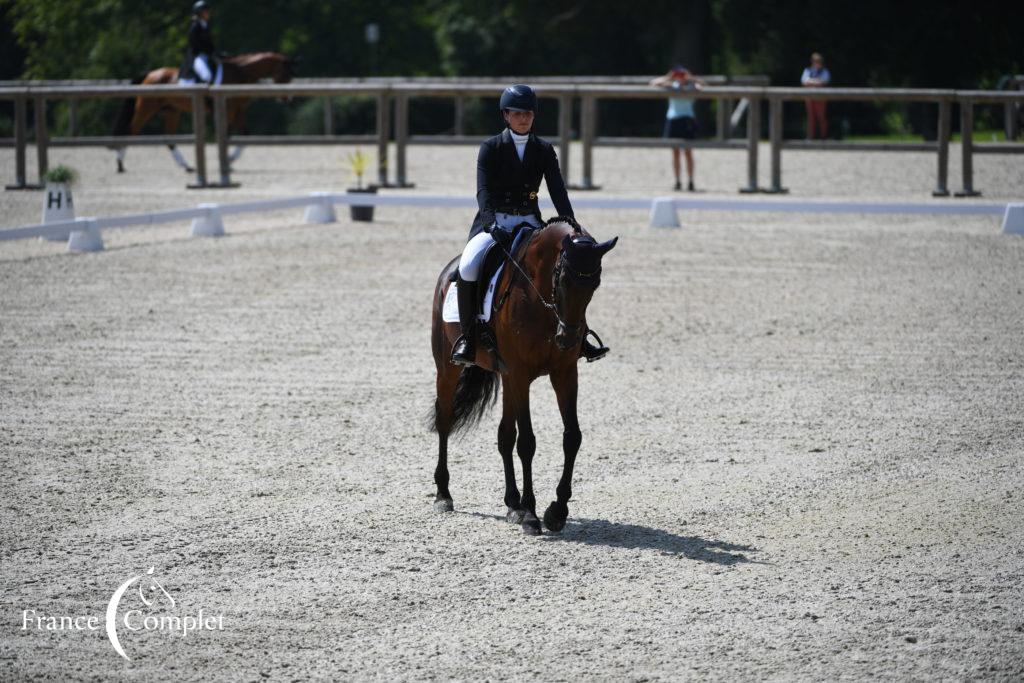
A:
{"points": [[605, 247]]}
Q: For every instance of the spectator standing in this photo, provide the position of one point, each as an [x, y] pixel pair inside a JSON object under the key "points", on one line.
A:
{"points": [[816, 76], [680, 121]]}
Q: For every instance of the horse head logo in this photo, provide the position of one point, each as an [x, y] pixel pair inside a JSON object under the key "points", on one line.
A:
{"points": [[151, 587], [150, 591]]}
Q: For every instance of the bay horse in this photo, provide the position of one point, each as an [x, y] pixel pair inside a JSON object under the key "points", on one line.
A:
{"points": [[244, 68], [538, 326]]}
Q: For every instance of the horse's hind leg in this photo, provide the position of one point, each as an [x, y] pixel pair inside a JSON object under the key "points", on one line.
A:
{"points": [[506, 444], [444, 417], [121, 152]]}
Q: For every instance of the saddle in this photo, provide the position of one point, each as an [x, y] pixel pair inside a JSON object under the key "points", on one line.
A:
{"points": [[496, 256]]}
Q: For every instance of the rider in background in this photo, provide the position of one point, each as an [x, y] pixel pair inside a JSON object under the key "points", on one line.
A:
{"points": [[509, 169], [200, 57]]}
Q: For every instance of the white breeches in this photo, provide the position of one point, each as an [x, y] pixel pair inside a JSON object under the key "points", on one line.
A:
{"points": [[473, 255], [201, 65]]}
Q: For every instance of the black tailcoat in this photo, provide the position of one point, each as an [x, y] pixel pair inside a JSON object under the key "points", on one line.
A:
{"points": [[504, 183], [200, 41]]}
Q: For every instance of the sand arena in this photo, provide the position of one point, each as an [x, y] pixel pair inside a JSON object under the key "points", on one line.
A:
{"points": [[802, 459]]}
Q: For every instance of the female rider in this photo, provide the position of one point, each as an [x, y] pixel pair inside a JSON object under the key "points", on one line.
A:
{"points": [[200, 56], [509, 169]]}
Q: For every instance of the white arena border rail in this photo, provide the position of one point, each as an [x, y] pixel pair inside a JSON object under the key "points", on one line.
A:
{"points": [[84, 234]]}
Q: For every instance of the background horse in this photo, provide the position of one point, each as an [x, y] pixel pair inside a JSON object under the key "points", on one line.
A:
{"points": [[538, 330], [245, 68]]}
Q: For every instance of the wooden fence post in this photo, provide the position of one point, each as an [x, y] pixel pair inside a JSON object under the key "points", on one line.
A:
{"points": [[20, 144], [383, 134], [401, 138], [942, 138], [588, 131], [564, 132], [199, 133], [42, 138], [753, 138], [775, 136], [220, 123], [967, 148]]}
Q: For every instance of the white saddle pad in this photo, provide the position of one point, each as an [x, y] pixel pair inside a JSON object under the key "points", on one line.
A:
{"points": [[450, 311]]}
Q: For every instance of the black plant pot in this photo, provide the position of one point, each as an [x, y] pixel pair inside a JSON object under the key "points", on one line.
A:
{"points": [[362, 213]]}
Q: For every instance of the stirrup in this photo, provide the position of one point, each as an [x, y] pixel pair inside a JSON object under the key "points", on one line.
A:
{"points": [[597, 352]]}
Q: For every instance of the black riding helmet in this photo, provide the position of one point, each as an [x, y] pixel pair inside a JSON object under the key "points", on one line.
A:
{"points": [[518, 97], [200, 6]]}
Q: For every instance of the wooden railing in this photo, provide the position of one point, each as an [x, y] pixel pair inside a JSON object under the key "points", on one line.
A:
{"points": [[393, 96]]}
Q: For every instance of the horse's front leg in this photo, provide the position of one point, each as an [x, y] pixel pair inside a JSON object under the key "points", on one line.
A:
{"points": [[526, 446], [171, 119], [238, 122], [506, 445], [565, 384]]}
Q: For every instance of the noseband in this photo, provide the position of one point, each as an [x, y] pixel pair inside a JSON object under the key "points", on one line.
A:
{"points": [[591, 279]]}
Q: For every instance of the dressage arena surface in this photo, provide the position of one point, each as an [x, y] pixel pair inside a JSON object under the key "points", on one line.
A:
{"points": [[802, 459]]}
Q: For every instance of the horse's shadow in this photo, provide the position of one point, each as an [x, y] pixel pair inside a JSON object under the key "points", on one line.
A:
{"points": [[600, 532]]}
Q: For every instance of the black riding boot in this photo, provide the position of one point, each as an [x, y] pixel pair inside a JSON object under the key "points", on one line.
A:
{"points": [[591, 352], [464, 352]]}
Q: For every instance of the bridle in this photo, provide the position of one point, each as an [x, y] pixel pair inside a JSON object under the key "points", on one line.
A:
{"points": [[561, 264], [579, 277]]}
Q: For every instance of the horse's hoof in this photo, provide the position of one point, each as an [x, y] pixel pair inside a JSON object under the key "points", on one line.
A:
{"points": [[189, 169], [515, 516], [555, 516], [120, 170], [444, 505], [531, 525]]}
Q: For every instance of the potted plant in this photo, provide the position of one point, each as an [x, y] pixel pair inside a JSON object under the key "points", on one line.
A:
{"points": [[58, 204], [358, 162]]}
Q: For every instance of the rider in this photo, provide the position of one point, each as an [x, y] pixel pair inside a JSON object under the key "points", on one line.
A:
{"points": [[200, 56], [509, 169]]}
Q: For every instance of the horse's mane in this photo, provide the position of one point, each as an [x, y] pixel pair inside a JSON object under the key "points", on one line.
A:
{"points": [[248, 58], [577, 229]]}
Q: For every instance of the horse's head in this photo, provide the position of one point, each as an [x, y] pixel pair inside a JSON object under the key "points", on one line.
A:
{"points": [[286, 68], [577, 276], [150, 590]]}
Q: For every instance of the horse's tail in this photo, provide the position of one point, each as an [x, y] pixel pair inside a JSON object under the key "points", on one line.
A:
{"points": [[123, 123], [476, 391]]}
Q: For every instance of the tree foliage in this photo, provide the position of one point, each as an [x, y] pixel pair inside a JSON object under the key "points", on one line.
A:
{"points": [[872, 42], [869, 43]]}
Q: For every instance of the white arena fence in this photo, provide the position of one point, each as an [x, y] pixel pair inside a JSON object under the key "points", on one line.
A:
{"points": [[85, 234]]}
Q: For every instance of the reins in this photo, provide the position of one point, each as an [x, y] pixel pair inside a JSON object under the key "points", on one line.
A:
{"points": [[550, 306], [555, 274]]}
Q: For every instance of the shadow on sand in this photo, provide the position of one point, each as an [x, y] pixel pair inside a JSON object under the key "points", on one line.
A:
{"points": [[639, 537], [600, 532]]}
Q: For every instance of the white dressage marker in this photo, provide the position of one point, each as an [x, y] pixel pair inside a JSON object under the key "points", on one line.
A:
{"points": [[209, 224], [663, 213], [322, 211], [1013, 219], [85, 238]]}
